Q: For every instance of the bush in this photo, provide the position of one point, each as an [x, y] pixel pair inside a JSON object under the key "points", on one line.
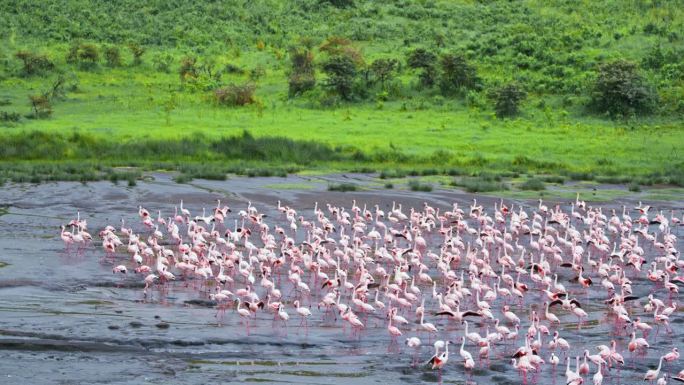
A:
{"points": [[231, 68], [85, 55], [507, 99], [343, 187], [41, 105], [341, 71], [303, 74], [10, 116], [339, 3], [137, 51], [188, 68], [620, 91], [384, 70], [482, 183], [415, 185], [34, 63], [457, 75], [257, 73], [112, 56], [235, 95], [533, 184], [421, 58], [162, 61]]}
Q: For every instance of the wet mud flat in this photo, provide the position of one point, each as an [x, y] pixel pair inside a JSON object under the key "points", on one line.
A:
{"points": [[66, 319]]}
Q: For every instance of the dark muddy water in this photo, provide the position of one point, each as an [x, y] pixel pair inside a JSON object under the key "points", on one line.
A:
{"points": [[66, 319]]}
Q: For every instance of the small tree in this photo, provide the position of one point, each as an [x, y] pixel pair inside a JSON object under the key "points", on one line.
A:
{"points": [[620, 90], [42, 108], [137, 51], [341, 46], [457, 74], [188, 68], [88, 55], [303, 74], [34, 63], [507, 99], [341, 72], [421, 58], [384, 70], [112, 56]]}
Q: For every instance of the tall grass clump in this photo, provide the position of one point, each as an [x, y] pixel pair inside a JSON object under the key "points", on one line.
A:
{"points": [[415, 185], [342, 187], [533, 184]]}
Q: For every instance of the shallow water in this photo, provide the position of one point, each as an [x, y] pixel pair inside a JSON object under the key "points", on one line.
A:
{"points": [[66, 319]]}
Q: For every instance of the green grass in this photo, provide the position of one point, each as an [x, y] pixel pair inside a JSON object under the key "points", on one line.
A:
{"points": [[138, 116], [289, 186]]}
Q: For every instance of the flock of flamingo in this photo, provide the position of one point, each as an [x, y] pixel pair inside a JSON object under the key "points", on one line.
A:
{"points": [[463, 267]]}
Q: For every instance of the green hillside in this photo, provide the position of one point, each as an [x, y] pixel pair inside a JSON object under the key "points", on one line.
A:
{"points": [[581, 89]]}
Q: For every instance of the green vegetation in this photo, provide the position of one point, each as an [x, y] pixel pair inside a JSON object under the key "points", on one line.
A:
{"points": [[560, 89], [415, 185], [533, 184], [343, 187]]}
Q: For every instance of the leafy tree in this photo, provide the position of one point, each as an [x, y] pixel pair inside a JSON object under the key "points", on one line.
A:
{"points": [[341, 46], [137, 51], [303, 74], [112, 56], [384, 69], [420, 58], [621, 91], [457, 74], [34, 63], [507, 100], [341, 71]]}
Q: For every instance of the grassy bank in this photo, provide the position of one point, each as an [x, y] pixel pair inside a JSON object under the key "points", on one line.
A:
{"points": [[39, 156], [145, 112]]}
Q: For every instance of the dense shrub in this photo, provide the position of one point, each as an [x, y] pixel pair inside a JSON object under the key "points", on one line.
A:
{"points": [[137, 51], [188, 68], [9, 116], [507, 100], [620, 90], [341, 71], [533, 184], [457, 75], [339, 3], [41, 106], [34, 63], [426, 61], [112, 56], [85, 55], [384, 70], [162, 61], [343, 187], [302, 73], [235, 95]]}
